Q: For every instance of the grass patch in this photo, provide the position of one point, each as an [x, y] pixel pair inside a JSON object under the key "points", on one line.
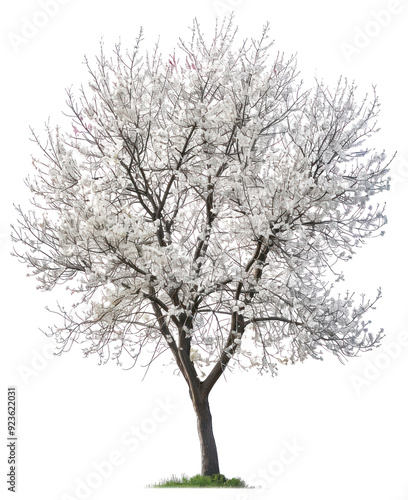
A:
{"points": [[198, 481]]}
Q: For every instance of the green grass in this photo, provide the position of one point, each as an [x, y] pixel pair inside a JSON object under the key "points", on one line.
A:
{"points": [[215, 481]]}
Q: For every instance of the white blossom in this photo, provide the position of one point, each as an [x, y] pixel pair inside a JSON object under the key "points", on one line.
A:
{"points": [[207, 205]]}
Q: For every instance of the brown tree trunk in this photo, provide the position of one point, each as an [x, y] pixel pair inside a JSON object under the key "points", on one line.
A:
{"points": [[209, 455]]}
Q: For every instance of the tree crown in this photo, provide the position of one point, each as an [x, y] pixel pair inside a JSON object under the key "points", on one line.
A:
{"points": [[200, 203]]}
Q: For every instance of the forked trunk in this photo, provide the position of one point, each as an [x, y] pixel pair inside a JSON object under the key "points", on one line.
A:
{"points": [[209, 455]]}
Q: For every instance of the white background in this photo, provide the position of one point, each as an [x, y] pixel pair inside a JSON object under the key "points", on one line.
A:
{"points": [[348, 423]]}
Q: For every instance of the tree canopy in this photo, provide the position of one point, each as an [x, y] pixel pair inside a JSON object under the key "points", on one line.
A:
{"points": [[200, 205]]}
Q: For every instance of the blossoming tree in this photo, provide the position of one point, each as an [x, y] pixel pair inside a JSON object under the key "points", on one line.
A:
{"points": [[199, 205]]}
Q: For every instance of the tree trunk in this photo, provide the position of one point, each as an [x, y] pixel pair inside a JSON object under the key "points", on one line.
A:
{"points": [[209, 455]]}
